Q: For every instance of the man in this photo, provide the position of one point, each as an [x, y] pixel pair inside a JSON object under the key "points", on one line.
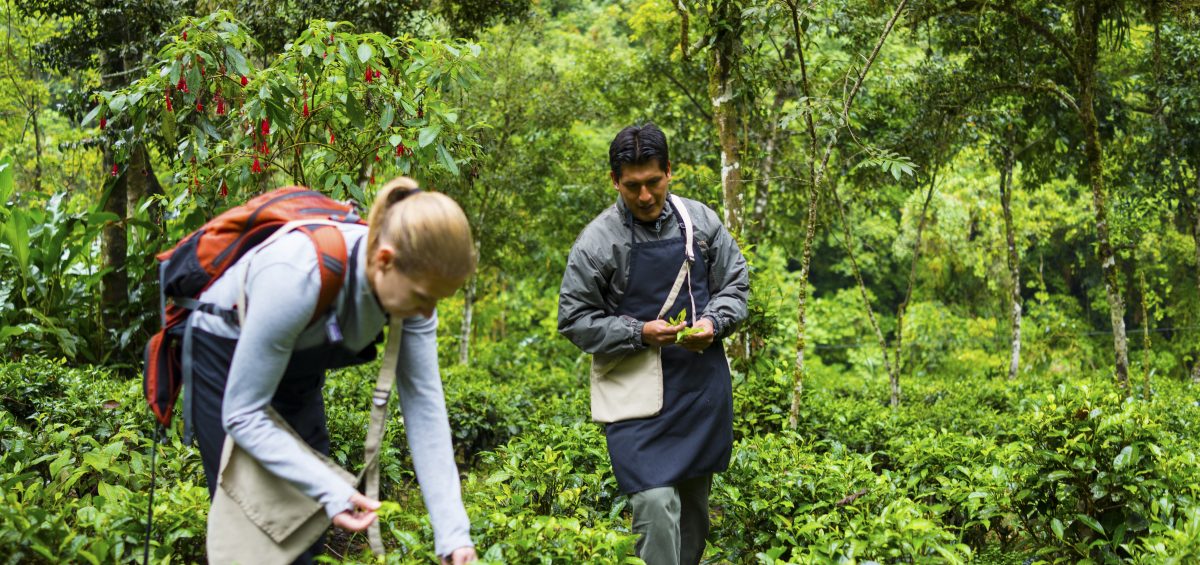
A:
{"points": [[668, 406]]}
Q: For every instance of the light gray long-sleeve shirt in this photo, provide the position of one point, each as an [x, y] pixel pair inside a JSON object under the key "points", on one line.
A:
{"points": [[282, 284], [597, 275]]}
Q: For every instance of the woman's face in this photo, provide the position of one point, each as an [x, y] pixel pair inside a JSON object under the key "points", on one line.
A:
{"points": [[404, 295]]}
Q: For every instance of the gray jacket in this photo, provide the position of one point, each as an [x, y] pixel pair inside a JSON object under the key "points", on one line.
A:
{"points": [[598, 273]]}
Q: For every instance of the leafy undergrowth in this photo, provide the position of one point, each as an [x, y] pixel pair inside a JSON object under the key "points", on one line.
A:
{"points": [[968, 469]]}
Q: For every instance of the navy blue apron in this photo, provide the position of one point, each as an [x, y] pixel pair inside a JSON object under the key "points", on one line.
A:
{"points": [[693, 435]]}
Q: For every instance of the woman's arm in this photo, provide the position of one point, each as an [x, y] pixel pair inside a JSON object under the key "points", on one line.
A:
{"points": [[424, 407], [281, 297]]}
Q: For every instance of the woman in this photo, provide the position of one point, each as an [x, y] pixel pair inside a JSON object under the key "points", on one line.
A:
{"points": [[416, 250]]}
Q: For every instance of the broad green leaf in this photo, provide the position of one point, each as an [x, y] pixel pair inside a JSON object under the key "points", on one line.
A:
{"points": [[1057, 526], [6, 180], [1123, 458], [365, 52], [90, 116], [237, 60], [1090, 522], [306, 50], [117, 104], [446, 159], [395, 139], [10, 331], [16, 231], [428, 134], [385, 121]]}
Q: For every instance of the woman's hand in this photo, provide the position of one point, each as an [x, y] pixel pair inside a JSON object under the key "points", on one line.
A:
{"points": [[460, 556], [360, 517]]}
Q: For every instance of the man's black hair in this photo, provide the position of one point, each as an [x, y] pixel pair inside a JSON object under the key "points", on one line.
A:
{"points": [[637, 145]]}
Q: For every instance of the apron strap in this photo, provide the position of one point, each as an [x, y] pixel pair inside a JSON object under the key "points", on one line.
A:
{"points": [[685, 269], [379, 402]]}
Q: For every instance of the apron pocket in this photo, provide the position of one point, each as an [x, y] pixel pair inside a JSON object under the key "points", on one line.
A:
{"points": [[626, 386]]}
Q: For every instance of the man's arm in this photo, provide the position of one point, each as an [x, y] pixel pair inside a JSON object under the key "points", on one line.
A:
{"points": [[728, 281], [582, 315]]}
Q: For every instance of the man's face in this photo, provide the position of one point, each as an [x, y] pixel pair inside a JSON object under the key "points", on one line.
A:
{"points": [[644, 188]]}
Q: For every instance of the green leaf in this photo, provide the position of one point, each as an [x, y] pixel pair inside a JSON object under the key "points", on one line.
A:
{"points": [[1123, 458], [365, 52], [428, 134], [90, 116], [16, 231], [237, 60], [306, 50], [6, 180], [117, 103], [1057, 526], [395, 139], [446, 159], [1091, 523], [385, 121], [10, 331]]}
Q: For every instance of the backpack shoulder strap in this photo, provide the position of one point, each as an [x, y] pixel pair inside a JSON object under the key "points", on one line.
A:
{"points": [[330, 246]]}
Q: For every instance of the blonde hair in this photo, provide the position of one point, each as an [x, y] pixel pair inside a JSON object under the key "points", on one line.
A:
{"points": [[428, 230]]}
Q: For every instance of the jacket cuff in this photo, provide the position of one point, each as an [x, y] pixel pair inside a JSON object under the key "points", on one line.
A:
{"points": [[636, 326], [339, 501], [717, 325]]}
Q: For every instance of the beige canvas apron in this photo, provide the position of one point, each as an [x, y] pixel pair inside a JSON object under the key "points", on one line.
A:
{"points": [[259, 518], [626, 386]]}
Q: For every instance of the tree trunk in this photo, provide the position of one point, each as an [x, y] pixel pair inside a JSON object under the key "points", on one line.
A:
{"points": [[1145, 335], [115, 281], [762, 195], [1196, 239], [723, 60], [1014, 264], [464, 333], [800, 371], [912, 277], [1086, 49]]}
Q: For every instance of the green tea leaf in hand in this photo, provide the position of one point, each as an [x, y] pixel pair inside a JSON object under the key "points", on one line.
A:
{"points": [[388, 510], [679, 318], [679, 337]]}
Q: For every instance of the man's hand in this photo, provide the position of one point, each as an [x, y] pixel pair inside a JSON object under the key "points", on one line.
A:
{"points": [[700, 340], [660, 333], [460, 556], [360, 517]]}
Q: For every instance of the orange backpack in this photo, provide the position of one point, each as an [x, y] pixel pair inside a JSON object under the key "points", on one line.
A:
{"points": [[189, 268]]}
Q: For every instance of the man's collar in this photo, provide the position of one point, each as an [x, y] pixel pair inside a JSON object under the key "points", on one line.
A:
{"points": [[656, 225]]}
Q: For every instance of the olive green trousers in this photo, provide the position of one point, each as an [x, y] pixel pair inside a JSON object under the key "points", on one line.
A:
{"points": [[672, 521]]}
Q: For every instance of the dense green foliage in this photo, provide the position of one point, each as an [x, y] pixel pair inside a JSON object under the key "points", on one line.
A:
{"points": [[997, 157]]}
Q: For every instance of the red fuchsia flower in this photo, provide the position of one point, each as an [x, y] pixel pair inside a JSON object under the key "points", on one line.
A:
{"points": [[199, 106], [377, 73], [372, 180], [103, 122], [266, 149], [369, 75], [170, 108], [266, 127], [182, 86], [332, 138], [224, 190], [306, 109], [185, 35], [376, 157], [114, 170], [400, 150], [220, 106], [256, 167], [245, 80]]}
